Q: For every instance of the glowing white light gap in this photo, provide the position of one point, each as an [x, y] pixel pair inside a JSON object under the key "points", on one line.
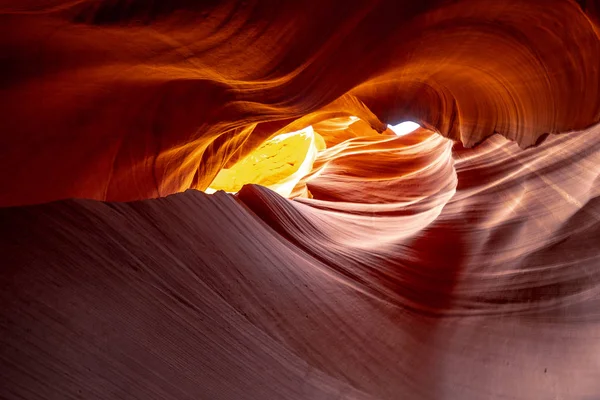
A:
{"points": [[404, 128]]}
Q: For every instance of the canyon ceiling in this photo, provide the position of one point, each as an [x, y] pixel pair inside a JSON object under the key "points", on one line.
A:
{"points": [[213, 199]]}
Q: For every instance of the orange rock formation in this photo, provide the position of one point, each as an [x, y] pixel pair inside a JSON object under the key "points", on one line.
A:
{"points": [[458, 261]]}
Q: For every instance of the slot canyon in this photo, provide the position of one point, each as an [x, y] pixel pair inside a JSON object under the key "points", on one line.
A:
{"points": [[311, 199]]}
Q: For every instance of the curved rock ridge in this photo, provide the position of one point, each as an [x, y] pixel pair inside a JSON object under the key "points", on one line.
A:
{"points": [[132, 99], [511, 211], [256, 296]]}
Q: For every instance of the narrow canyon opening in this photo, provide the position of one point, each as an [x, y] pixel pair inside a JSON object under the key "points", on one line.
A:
{"points": [[285, 163]]}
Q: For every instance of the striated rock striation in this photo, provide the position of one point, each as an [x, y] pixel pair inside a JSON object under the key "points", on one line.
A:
{"points": [[348, 260]]}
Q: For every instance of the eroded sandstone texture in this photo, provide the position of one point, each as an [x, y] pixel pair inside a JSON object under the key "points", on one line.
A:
{"points": [[459, 261]]}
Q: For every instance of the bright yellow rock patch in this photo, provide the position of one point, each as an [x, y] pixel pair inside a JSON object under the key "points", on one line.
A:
{"points": [[278, 164]]}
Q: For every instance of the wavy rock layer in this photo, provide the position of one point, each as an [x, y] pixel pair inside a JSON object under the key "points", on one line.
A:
{"points": [[132, 99], [415, 267], [213, 296]]}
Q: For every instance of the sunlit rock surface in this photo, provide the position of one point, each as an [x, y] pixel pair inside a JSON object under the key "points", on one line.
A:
{"points": [[457, 261], [133, 99], [278, 164]]}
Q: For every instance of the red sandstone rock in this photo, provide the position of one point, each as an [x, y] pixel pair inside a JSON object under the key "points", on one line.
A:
{"points": [[131, 99], [413, 267]]}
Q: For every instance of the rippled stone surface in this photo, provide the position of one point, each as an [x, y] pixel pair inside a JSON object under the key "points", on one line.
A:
{"points": [[459, 261], [133, 99]]}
